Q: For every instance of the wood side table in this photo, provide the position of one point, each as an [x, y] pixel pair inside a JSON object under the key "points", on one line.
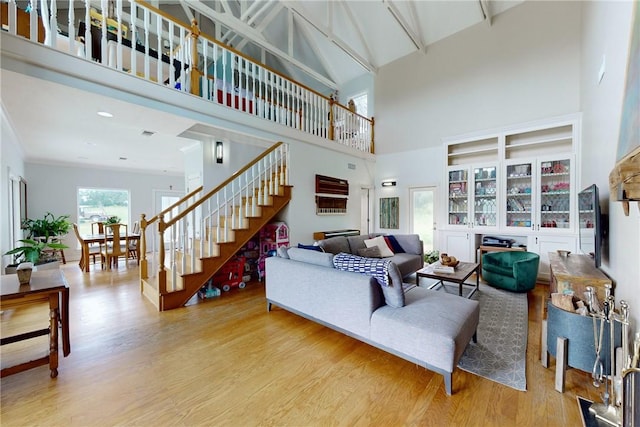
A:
{"points": [[45, 286]]}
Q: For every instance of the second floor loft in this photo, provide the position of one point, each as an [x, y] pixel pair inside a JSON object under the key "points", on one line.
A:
{"points": [[137, 39]]}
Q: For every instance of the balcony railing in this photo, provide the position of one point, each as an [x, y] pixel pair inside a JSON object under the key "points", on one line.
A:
{"points": [[137, 38]]}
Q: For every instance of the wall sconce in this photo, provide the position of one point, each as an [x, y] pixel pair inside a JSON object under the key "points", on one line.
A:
{"points": [[388, 183], [219, 151]]}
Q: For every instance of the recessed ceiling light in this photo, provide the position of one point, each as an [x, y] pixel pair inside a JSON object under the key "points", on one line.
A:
{"points": [[105, 114], [123, 158]]}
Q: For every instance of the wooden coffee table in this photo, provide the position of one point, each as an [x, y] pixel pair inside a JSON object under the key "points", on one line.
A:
{"points": [[459, 276]]}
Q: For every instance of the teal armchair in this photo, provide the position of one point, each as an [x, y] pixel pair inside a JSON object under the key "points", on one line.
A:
{"points": [[515, 271]]}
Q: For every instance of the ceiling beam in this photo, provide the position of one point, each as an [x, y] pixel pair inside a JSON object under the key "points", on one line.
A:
{"points": [[485, 8], [328, 66], [363, 62], [354, 22], [395, 12], [249, 32], [263, 24]]}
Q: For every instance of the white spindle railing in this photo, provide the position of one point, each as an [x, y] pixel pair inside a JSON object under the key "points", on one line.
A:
{"points": [[131, 36], [194, 232]]}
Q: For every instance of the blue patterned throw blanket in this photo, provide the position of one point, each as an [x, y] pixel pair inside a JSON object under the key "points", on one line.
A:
{"points": [[376, 267]]}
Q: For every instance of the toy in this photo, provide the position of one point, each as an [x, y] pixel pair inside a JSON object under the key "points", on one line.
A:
{"points": [[231, 274]]}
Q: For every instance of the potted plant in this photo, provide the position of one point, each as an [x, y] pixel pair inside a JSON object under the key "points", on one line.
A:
{"points": [[49, 227], [112, 220], [42, 240], [431, 256], [33, 251]]}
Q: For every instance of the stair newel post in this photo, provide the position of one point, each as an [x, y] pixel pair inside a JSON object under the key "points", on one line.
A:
{"points": [[162, 273], [372, 148], [195, 74], [144, 273]]}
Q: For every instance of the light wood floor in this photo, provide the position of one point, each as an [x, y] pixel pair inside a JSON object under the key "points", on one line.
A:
{"points": [[228, 362]]}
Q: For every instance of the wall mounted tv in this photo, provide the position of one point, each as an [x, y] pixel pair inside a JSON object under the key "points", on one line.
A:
{"points": [[591, 223]]}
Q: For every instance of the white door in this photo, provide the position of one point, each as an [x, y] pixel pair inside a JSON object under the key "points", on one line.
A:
{"points": [[162, 200], [422, 211]]}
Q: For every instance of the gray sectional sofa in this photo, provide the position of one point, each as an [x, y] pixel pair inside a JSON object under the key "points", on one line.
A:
{"points": [[427, 327]]}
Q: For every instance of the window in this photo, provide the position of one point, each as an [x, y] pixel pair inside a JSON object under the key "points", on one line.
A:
{"points": [[98, 204], [361, 104], [422, 210]]}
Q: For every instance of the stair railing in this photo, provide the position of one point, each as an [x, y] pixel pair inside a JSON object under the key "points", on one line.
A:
{"points": [[195, 232], [170, 211], [135, 37]]}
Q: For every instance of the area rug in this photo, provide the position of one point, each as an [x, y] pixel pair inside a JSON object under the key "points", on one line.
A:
{"points": [[500, 353]]}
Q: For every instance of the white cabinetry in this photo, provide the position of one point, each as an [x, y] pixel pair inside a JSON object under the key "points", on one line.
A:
{"points": [[461, 244], [542, 244], [519, 180], [473, 195]]}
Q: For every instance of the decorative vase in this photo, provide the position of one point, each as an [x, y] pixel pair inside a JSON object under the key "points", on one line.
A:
{"points": [[24, 273]]}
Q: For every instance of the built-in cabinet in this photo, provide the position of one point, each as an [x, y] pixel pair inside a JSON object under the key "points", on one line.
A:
{"points": [[519, 180]]}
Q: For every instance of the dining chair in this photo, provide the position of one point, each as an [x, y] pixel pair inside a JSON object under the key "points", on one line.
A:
{"points": [[97, 227], [113, 247], [94, 250], [132, 248]]}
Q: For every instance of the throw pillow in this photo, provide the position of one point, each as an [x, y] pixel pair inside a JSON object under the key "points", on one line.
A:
{"points": [[373, 252], [381, 244], [394, 245], [310, 247]]}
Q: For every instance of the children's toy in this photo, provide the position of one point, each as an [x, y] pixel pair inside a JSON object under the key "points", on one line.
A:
{"points": [[231, 274], [208, 291]]}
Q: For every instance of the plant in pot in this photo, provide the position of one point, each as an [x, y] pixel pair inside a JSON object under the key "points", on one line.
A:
{"points": [[43, 238], [431, 256]]}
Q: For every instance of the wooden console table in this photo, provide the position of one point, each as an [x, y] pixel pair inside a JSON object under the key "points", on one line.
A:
{"points": [[572, 273], [45, 286]]}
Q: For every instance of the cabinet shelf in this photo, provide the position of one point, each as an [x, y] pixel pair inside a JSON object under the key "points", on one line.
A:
{"points": [[519, 195], [552, 175], [553, 212], [519, 212], [555, 193], [519, 177]]}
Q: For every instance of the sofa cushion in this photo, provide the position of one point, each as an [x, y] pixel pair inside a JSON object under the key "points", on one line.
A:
{"points": [[335, 245], [380, 243], [407, 263], [385, 272], [433, 326], [373, 252], [411, 243], [312, 257], [357, 242]]}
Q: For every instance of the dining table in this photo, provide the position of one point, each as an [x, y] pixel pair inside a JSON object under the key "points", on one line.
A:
{"points": [[89, 239]]}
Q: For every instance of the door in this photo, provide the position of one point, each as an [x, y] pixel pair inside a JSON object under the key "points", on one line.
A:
{"points": [[422, 211], [162, 200]]}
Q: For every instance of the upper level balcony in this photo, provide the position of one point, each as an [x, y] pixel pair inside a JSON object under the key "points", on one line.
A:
{"points": [[135, 38]]}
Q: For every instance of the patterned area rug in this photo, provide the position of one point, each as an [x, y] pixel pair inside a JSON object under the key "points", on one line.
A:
{"points": [[500, 354]]}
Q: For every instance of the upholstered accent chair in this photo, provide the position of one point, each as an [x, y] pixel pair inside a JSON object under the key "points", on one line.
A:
{"points": [[514, 271]]}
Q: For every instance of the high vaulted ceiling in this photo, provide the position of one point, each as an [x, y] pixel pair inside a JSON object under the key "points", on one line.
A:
{"points": [[324, 44], [333, 42]]}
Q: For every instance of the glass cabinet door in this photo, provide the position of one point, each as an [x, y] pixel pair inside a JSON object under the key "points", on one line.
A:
{"points": [[458, 197], [485, 197], [519, 195], [555, 194]]}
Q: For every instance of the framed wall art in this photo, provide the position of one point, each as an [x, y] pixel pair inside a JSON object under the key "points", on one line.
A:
{"points": [[389, 212]]}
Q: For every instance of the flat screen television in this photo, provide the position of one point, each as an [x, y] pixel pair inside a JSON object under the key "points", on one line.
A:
{"points": [[590, 223]]}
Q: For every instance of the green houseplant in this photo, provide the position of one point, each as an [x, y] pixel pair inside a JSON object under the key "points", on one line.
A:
{"points": [[431, 256], [48, 227], [42, 239]]}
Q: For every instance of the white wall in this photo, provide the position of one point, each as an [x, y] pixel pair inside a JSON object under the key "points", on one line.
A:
{"points": [[607, 33], [522, 68], [308, 160], [418, 168], [54, 189], [11, 165]]}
